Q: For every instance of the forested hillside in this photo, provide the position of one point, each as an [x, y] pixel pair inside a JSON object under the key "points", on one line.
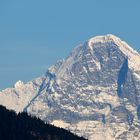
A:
{"points": [[23, 127]]}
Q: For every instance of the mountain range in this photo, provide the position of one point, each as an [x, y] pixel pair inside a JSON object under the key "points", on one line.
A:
{"points": [[94, 92]]}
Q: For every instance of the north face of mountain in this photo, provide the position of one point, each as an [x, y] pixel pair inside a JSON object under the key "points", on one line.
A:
{"points": [[94, 92]]}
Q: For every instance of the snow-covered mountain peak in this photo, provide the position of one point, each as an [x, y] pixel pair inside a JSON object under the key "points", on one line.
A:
{"points": [[104, 38], [94, 92], [96, 54], [18, 84], [112, 42], [109, 38]]}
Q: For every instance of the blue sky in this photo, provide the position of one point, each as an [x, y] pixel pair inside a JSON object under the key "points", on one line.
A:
{"points": [[36, 33]]}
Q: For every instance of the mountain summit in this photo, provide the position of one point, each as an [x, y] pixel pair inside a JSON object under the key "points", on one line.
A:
{"points": [[94, 92]]}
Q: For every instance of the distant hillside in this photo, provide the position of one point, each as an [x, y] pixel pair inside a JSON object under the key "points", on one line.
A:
{"points": [[24, 127]]}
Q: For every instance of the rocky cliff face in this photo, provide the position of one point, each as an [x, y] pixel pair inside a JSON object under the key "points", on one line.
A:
{"points": [[94, 92]]}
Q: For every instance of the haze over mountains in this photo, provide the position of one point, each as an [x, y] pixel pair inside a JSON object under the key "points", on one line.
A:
{"points": [[94, 92]]}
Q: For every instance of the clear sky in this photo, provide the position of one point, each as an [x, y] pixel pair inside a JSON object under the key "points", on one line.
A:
{"points": [[36, 33]]}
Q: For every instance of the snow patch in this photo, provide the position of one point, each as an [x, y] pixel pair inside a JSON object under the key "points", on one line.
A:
{"points": [[19, 84]]}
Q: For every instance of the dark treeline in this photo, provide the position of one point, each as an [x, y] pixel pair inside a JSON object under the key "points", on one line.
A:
{"points": [[23, 127]]}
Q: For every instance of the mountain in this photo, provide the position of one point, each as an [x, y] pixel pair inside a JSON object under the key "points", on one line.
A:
{"points": [[24, 127], [94, 92]]}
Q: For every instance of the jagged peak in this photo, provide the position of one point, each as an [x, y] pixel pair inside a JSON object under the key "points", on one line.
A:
{"points": [[18, 84]]}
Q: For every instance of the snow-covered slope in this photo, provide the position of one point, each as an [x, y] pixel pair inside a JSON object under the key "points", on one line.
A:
{"points": [[94, 92]]}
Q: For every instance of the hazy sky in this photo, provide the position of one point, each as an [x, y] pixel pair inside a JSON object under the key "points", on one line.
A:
{"points": [[36, 33]]}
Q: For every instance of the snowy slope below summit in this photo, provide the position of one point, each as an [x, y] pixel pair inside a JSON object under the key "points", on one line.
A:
{"points": [[94, 92], [21, 95]]}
